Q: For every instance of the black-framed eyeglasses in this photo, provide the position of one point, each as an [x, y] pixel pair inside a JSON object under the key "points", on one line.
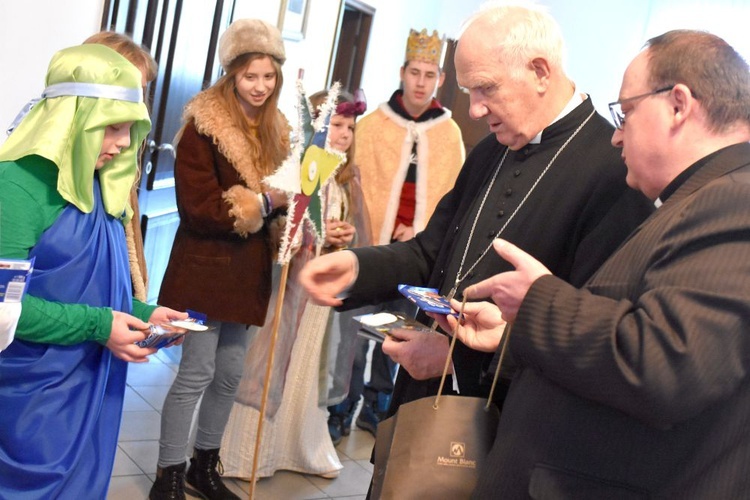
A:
{"points": [[616, 107]]}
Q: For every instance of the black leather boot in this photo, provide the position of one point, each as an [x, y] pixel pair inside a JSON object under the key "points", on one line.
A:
{"points": [[204, 476], [169, 483]]}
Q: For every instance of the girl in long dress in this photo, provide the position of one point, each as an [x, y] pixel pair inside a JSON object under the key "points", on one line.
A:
{"points": [[295, 434]]}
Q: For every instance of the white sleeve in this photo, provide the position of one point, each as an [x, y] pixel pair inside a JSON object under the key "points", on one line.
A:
{"points": [[9, 314]]}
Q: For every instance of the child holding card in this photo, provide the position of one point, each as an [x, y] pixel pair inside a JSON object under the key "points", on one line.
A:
{"points": [[66, 173]]}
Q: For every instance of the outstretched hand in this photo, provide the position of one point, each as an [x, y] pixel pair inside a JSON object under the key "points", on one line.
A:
{"points": [[508, 289], [162, 315], [327, 276]]}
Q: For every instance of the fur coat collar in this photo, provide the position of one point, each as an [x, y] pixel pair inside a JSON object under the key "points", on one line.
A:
{"points": [[211, 118]]}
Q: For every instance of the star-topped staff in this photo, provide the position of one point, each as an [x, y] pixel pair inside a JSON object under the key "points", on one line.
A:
{"points": [[310, 165]]}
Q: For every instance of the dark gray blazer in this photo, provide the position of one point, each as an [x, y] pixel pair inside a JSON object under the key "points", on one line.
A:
{"points": [[637, 386]]}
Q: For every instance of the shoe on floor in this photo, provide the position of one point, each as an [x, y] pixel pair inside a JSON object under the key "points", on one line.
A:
{"points": [[337, 427], [373, 412], [169, 483], [203, 478], [368, 419], [340, 420]]}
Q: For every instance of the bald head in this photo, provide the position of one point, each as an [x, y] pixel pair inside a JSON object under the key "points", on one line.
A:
{"points": [[682, 98]]}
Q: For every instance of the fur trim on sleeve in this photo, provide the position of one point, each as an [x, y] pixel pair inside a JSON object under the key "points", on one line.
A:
{"points": [[245, 208]]}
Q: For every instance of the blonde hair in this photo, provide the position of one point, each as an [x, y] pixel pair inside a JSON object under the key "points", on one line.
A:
{"points": [[272, 138], [139, 56]]}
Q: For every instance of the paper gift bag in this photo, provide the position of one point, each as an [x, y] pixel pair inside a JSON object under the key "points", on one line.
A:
{"points": [[434, 447], [424, 452]]}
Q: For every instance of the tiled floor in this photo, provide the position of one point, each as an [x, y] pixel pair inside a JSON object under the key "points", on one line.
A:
{"points": [[135, 463]]}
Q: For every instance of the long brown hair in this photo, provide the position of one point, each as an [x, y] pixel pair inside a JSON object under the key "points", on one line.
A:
{"points": [[272, 138]]}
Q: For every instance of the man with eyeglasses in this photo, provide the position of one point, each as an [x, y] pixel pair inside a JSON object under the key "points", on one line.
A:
{"points": [[615, 108], [638, 384], [546, 177]]}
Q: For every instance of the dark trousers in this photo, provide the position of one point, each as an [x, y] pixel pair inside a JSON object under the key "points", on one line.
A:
{"points": [[382, 373], [382, 367]]}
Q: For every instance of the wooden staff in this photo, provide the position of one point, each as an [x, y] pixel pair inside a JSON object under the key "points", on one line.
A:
{"points": [[269, 368]]}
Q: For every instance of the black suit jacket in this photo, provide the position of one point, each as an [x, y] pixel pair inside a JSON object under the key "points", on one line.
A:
{"points": [[579, 212], [637, 386]]}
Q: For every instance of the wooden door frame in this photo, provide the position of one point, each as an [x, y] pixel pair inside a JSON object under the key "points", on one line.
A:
{"points": [[361, 7], [161, 25]]}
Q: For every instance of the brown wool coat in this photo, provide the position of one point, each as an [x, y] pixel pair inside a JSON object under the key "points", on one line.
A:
{"points": [[222, 255]]}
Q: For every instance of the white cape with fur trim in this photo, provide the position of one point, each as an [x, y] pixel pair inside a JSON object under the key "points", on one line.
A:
{"points": [[383, 165]]}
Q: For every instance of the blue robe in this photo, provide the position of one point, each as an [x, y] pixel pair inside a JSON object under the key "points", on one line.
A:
{"points": [[60, 406]]}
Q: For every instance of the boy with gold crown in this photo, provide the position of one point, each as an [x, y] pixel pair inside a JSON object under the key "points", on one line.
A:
{"points": [[409, 151]]}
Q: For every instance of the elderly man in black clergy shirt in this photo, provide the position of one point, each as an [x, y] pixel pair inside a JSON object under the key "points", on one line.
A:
{"points": [[547, 179], [638, 384]]}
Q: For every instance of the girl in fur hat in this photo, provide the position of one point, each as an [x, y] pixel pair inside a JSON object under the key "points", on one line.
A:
{"points": [[221, 260]]}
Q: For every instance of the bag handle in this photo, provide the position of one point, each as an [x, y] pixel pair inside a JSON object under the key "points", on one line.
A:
{"points": [[503, 341]]}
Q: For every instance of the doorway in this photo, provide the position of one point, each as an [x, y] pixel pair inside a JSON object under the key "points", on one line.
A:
{"points": [[350, 46], [451, 96], [183, 37]]}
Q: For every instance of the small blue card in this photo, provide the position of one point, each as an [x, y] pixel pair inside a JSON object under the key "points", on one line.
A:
{"points": [[167, 334], [427, 299]]}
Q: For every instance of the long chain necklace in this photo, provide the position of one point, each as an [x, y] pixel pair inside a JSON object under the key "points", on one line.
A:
{"points": [[459, 278]]}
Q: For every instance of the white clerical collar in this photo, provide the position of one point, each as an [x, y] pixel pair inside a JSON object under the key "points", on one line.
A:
{"points": [[657, 202], [573, 103]]}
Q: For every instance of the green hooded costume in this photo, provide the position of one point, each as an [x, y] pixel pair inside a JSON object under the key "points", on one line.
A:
{"points": [[67, 128], [57, 144]]}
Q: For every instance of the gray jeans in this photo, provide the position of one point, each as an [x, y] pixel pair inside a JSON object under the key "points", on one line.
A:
{"points": [[211, 366]]}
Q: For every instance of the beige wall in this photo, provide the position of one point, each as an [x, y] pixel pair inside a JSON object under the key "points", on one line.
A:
{"points": [[31, 31]]}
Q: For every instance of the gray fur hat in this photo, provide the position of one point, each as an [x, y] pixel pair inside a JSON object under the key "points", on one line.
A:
{"points": [[250, 35]]}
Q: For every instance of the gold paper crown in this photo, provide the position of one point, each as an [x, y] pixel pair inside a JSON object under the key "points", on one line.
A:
{"points": [[423, 47]]}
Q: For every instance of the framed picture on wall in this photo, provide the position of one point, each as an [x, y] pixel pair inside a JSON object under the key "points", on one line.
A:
{"points": [[293, 18]]}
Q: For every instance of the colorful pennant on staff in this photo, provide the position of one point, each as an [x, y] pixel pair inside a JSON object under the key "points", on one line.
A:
{"points": [[310, 166]]}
